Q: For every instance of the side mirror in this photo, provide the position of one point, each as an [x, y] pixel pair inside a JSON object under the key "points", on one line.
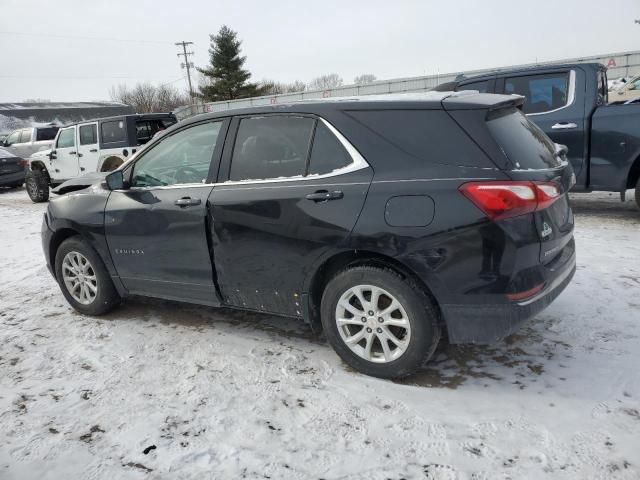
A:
{"points": [[115, 180]]}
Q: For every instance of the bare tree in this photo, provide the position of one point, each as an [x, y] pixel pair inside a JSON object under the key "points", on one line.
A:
{"points": [[147, 98], [272, 87], [325, 82], [365, 78]]}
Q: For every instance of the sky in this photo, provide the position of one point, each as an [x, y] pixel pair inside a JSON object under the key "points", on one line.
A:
{"points": [[68, 50]]}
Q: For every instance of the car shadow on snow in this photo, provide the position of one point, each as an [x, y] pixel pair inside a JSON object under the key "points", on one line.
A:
{"points": [[520, 360]]}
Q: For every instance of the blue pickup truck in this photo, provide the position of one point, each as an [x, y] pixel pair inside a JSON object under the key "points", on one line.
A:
{"points": [[570, 103]]}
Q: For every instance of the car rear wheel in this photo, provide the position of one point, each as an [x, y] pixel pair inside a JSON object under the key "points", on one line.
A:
{"points": [[379, 322], [37, 182], [83, 278]]}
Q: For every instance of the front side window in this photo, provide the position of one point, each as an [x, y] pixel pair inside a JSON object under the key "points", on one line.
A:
{"points": [[113, 131], [544, 92], [271, 147], [25, 137], [67, 138], [13, 138], [181, 158], [88, 134]]}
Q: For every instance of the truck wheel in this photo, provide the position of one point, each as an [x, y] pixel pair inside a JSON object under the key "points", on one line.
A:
{"points": [[379, 322], [83, 278], [37, 182]]}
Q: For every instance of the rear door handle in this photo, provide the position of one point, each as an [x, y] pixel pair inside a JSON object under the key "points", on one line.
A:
{"points": [[564, 126], [187, 202], [93, 150], [324, 195]]}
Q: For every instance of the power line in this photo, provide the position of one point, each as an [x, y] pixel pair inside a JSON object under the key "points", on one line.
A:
{"points": [[79, 37], [74, 77]]}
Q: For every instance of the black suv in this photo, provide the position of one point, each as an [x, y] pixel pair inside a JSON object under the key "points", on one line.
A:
{"points": [[382, 220]]}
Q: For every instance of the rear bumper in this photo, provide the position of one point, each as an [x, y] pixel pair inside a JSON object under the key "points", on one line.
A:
{"points": [[12, 178], [488, 323]]}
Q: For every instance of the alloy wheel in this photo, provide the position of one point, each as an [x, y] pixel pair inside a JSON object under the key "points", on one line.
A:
{"points": [[373, 323], [79, 278]]}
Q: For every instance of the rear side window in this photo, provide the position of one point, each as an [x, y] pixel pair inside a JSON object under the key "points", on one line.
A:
{"points": [[44, 134], [67, 138], [25, 136], [526, 146], [113, 131], [88, 134], [271, 147], [544, 92], [327, 153]]}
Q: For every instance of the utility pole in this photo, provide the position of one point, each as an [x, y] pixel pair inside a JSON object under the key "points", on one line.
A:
{"points": [[187, 64]]}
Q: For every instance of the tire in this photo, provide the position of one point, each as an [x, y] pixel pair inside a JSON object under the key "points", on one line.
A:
{"points": [[416, 309], [74, 252], [37, 182]]}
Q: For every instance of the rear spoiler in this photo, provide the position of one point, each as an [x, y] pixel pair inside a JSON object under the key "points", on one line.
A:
{"points": [[473, 100]]}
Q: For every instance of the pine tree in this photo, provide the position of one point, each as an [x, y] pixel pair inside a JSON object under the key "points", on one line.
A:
{"points": [[226, 77]]}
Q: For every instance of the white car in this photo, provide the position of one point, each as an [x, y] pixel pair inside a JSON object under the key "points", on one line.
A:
{"points": [[94, 146], [26, 141]]}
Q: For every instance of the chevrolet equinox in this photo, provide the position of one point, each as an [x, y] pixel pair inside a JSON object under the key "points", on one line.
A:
{"points": [[385, 221]]}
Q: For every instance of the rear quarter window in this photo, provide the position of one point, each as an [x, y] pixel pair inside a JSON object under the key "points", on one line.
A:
{"points": [[430, 136], [524, 144], [113, 131], [44, 134]]}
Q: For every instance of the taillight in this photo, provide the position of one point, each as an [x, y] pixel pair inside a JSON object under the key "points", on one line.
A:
{"points": [[505, 199], [23, 163]]}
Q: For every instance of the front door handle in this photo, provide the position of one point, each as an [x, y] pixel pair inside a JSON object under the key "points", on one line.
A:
{"points": [[564, 126], [93, 150], [187, 202], [324, 195]]}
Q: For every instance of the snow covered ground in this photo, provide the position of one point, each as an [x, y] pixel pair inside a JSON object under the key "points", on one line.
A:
{"points": [[223, 394]]}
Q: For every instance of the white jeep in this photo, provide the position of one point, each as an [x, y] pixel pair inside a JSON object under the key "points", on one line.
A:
{"points": [[94, 146]]}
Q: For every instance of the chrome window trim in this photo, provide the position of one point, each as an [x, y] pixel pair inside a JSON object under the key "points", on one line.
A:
{"points": [[570, 99], [358, 163]]}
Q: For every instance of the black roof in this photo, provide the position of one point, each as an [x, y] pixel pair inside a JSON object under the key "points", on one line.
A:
{"points": [[427, 100]]}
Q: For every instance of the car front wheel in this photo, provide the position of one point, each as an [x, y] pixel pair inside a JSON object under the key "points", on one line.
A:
{"points": [[379, 322], [83, 278]]}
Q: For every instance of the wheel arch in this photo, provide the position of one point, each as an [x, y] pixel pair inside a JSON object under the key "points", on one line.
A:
{"points": [[634, 174], [38, 165], [110, 163], [57, 238], [315, 283]]}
